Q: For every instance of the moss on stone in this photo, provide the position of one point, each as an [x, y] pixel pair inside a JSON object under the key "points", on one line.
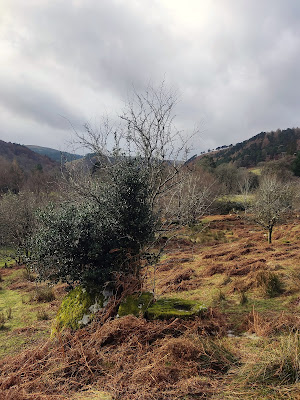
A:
{"points": [[135, 304], [175, 308], [75, 309], [144, 304]]}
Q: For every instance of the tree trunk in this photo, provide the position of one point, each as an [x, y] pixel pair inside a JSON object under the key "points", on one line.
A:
{"points": [[270, 235]]}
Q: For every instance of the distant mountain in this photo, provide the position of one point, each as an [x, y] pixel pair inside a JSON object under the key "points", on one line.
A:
{"points": [[265, 146], [25, 158], [53, 154]]}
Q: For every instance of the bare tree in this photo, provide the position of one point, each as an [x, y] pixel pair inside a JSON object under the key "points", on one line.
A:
{"points": [[272, 203], [146, 130], [150, 132], [246, 182], [192, 197], [227, 175], [17, 221]]}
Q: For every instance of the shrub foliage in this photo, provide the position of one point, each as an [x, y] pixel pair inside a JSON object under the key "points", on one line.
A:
{"points": [[87, 241]]}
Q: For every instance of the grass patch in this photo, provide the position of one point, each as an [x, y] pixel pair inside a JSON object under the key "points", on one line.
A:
{"points": [[42, 315], [236, 198], [43, 294], [19, 322], [11, 301], [270, 283], [276, 304], [13, 276], [278, 363]]}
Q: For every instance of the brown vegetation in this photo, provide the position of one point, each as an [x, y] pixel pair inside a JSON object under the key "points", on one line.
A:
{"points": [[130, 357], [252, 295]]}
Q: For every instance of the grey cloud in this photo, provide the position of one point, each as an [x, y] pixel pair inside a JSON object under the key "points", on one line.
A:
{"points": [[236, 69], [34, 103], [108, 41]]}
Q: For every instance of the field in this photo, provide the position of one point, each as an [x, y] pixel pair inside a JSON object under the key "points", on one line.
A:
{"points": [[245, 346]]}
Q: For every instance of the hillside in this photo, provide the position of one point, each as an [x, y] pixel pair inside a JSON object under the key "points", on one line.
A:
{"points": [[244, 347], [25, 158], [265, 146], [53, 154]]}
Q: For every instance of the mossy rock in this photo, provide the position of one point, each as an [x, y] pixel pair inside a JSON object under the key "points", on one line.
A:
{"points": [[135, 304], [175, 308], [76, 310]]}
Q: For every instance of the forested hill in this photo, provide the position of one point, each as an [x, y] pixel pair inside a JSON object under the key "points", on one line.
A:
{"points": [[24, 157], [54, 154], [265, 146]]}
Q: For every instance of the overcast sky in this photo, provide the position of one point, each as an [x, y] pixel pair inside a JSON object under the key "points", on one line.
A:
{"points": [[234, 63]]}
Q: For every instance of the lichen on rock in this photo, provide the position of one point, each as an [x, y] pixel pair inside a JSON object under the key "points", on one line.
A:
{"points": [[175, 308], [165, 308], [135, 304], [77, 309]]}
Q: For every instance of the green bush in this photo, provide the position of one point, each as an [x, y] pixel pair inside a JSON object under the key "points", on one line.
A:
{"points": [[86, 242]]}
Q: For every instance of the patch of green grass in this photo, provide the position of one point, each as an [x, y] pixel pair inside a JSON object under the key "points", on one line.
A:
{"points": [[205, 221], [236, 198], [14, 275], [22, 315], [206, 293], [13, 342], [201, 233], [236, 312], [261, 305], [278, 362]]}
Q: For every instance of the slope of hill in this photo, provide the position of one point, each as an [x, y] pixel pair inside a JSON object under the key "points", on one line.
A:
{"points": [[265, 146], [25, 158], [246, 346], [53, 154]]}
